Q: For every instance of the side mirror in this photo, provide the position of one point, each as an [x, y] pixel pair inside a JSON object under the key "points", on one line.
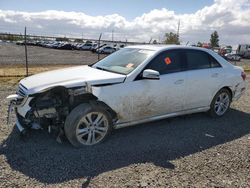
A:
{"points": [[151, 74]]}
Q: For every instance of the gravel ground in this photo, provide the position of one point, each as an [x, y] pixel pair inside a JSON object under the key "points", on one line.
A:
{"points": [[187, 151]]}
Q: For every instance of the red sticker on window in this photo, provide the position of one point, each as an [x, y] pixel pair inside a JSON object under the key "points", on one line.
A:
{"points": [[167, 60]]}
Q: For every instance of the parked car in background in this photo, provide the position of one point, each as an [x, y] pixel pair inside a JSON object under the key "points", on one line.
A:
{"points": [[20, 42], [88, 42], [206, 45], [55, 45], [122, 45], [134, 85], [233, 57], [106, 50], [94, 45], [224, 50], [65, 46], [86, 46], [97, 47]]}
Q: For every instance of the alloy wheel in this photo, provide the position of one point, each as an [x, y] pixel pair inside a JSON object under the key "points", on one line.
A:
{"points": [[92, 128], [222, 103]]}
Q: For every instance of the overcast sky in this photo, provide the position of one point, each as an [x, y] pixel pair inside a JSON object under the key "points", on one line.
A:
{"points": [[132, 20]]}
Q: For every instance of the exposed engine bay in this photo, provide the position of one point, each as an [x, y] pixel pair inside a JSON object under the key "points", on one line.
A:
{"points": [[48, 110]]}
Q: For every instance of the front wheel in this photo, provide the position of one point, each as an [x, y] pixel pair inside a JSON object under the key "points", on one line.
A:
{"points": [[87, 125], [221, 103]]}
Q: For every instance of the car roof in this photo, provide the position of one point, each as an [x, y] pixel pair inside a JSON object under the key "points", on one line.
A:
{"points": [[165, 47]]}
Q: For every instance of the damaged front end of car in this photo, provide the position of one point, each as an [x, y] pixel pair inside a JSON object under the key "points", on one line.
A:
{"points": [[46, 109]]}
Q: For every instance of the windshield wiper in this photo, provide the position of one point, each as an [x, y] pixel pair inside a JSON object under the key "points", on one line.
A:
{"points": [[108, 70], [100, 68]]}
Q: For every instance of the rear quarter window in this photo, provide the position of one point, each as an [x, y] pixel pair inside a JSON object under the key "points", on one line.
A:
{"points": [[214, 63]]}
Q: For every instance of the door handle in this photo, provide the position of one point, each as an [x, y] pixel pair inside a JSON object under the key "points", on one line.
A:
{"points": [[179, 82], [214, 75]]}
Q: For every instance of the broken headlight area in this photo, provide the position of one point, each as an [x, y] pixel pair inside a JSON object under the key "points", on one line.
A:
{"points": [[49, 109], [46, 111]]}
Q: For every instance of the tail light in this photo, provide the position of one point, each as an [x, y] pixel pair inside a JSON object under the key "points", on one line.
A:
{"points": [[243, 75]]}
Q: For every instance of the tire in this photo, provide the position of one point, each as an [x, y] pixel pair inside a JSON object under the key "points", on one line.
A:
{"points": [[83, 128], [220, 103]]}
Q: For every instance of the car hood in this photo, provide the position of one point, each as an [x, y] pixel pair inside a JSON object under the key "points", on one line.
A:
{"points": [[69, 77]]}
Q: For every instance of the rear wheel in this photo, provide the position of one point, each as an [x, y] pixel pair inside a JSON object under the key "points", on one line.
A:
{"points": [[87, 125], [221, 103]]}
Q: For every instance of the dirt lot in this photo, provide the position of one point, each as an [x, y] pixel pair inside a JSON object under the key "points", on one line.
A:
{"points": [[14, 54], [188, 151], [12, 59]]}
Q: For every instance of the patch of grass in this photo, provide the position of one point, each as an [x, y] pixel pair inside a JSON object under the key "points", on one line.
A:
{"points": [[12, 74], [10, 80], [19, 70]]}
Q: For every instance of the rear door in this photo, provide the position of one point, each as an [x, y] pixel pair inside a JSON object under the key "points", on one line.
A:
{"points": [[204, 75]]}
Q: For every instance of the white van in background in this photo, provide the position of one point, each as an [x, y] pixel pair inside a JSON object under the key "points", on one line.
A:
{"points": [[243, 50]]}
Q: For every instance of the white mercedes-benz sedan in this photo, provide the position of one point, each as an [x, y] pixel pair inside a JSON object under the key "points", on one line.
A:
{"points": [[134, 85]]}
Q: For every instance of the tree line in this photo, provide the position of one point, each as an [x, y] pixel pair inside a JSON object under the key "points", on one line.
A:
{"points": [[173, 38]]}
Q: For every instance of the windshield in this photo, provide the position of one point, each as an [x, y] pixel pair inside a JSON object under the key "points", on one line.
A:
{"points": [[124, 61]]}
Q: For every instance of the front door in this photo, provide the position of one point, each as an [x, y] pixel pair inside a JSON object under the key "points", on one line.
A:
{"points": [[158, 97]]}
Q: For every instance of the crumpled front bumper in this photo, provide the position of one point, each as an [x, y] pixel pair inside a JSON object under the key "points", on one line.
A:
{"points": [[19, 126], [19, 106]]}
